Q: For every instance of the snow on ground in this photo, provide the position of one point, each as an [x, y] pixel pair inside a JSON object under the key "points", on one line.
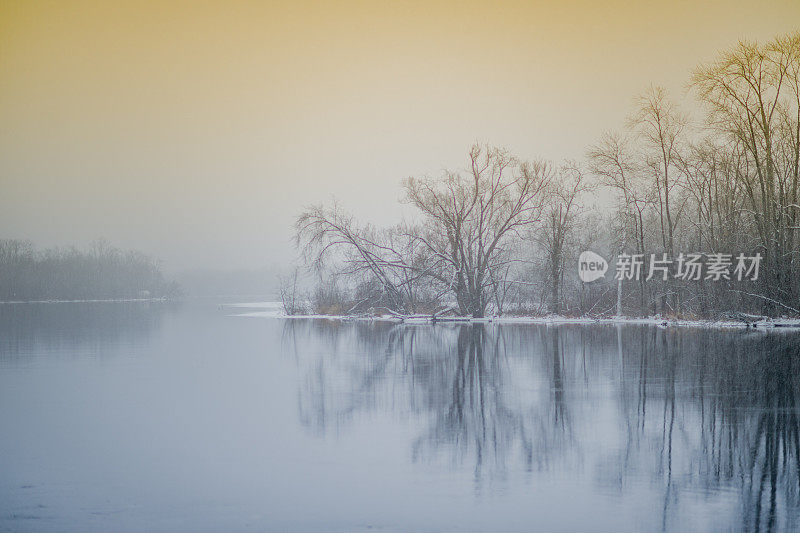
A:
{"points": [[275, 310], [265, 309]]}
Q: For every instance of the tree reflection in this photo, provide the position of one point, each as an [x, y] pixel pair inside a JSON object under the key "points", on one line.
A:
{"points": [[728, 419], [482, 401], [91, 326], [698, 413]]}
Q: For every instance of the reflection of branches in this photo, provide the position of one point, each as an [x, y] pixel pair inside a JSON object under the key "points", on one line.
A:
{"points": [[484, 413], [322, 400], [702, 411], [471, 416], [462, 378], [733, 396], [775, 448]]}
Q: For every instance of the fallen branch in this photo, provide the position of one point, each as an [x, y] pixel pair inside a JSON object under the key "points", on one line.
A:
{"points": [[768, 299]]}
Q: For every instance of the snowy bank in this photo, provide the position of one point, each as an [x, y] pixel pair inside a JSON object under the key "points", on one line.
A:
{"points": [[275, 310]]}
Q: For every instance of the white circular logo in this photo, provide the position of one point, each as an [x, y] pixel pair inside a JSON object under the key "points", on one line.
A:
{"points": [[591, 266]]}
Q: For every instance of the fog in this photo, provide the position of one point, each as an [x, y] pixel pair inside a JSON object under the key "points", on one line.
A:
{"points": [[196, 134]]}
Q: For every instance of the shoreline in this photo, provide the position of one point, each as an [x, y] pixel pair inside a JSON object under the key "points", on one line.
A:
{"points": [[274, 310], [106, 300]]}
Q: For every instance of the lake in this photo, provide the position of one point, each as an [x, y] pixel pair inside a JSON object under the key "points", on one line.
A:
{"points": [[182, 417]]}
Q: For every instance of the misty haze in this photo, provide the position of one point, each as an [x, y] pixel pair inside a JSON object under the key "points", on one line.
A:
{"points": [[418, 266]]}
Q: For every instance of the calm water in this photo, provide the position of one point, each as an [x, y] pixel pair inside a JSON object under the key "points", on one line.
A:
{"points": [[135, 417]]}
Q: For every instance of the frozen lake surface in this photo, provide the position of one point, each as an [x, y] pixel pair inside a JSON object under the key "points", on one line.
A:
{"points": [[179, 417]]}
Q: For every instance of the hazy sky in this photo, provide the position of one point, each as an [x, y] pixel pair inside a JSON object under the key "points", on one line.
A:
{"points": [[195, 131]]}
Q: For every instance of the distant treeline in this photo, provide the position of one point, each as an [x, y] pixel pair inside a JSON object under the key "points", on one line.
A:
{"points": [[101, 272]]}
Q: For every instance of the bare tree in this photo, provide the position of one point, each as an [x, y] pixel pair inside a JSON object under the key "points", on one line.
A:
{"points": [[385, 256], [496, 234], [558, 224], [612, 161], [471, 219], [292, 301], [661, 127], [753, 96]]}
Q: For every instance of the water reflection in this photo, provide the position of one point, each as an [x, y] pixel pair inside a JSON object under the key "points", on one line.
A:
{"points": [[694, 415], [33, 329]]}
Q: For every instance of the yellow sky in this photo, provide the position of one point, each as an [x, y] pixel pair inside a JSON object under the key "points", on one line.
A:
{"points": [[196, 130]]}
